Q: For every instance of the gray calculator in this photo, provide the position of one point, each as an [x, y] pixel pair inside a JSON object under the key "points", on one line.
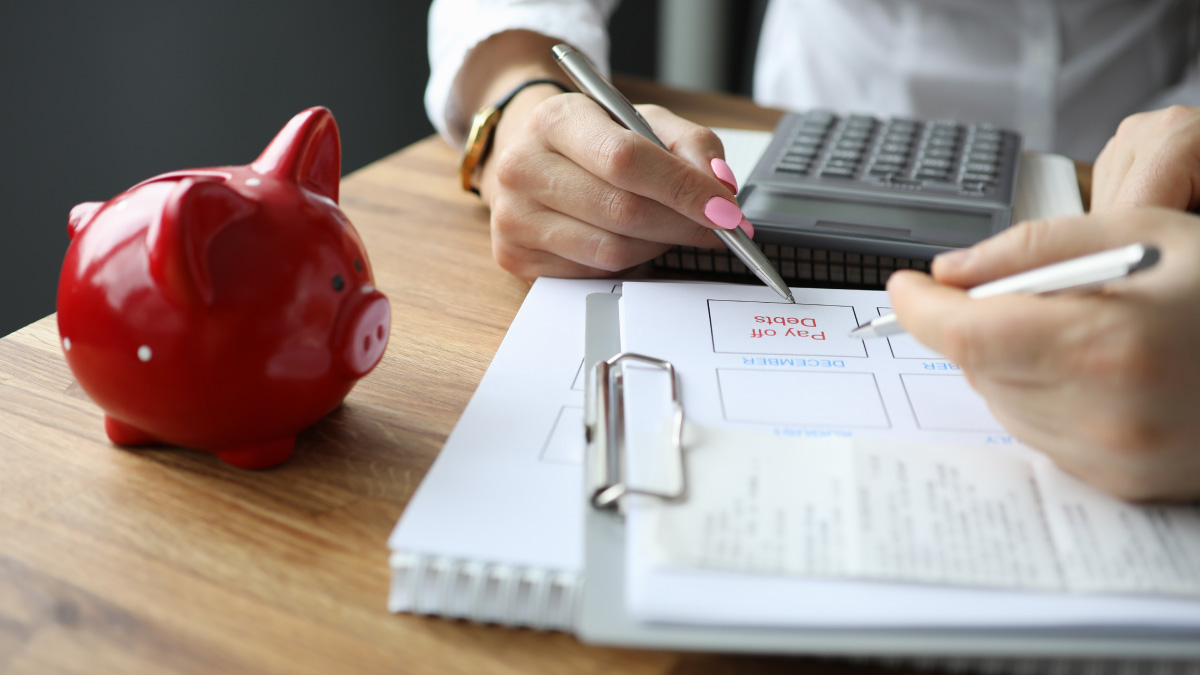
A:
{"points": [[882, 187]]}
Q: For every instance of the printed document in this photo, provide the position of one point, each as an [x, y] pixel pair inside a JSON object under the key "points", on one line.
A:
{"points": [[866, 482]]}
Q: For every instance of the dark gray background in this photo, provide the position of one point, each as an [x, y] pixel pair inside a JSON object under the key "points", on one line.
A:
{"points": [[99, 95]]}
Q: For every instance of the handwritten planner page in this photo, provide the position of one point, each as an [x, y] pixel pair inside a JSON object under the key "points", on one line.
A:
{"points": [[837, 482]]}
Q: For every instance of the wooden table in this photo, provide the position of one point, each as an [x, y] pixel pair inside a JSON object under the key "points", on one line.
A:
{"points": [[163, 560]]}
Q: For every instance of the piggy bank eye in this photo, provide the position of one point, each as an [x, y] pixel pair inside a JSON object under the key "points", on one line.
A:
{"points": [[338, 284], [358, 266]]}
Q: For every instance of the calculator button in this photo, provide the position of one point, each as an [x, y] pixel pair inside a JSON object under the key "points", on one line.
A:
{"points": [[891, 158], [899, 139], [974, 187], [981, 168], [793, 155], [971, 176], [860, 121], [856, 134], [935, 163], [940, 153], [843, 163], [934, 174], [895, 147], [988, 136], [851, 144], [847, 155], [837, 172], [943, 142], [978, 146], [809, 139], [885, 169], [782, 168], [983, 157]]}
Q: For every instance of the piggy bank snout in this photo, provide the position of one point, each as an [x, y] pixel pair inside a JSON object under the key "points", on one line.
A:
{"points": [[366, 332]]}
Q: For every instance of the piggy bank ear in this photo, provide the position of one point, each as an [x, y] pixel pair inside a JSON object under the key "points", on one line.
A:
{"points": [[178, 241], [80, 216], [307, 152]]}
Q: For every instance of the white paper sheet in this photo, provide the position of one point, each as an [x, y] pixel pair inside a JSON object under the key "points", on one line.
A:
{"points": [[505, 488], [750, 363]]}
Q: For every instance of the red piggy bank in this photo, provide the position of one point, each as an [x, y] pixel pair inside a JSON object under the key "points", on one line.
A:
{"points": [[223, 309]]}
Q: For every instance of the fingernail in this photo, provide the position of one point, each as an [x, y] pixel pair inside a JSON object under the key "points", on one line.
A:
{"points": [[723, 213], [953, 259], [724, 173], [747, 228]]}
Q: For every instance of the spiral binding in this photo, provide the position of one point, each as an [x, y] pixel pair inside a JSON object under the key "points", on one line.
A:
{"points": [[542, 599], [483, 592]]}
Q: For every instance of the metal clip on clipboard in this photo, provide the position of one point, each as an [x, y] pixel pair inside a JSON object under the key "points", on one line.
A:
{"points": [[605, 433]]}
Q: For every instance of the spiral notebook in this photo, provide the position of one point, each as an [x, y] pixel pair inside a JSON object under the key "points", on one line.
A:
{"points": [[833, 496], [495, 531]]}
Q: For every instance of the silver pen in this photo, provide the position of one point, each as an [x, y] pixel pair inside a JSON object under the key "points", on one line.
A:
{"points": [[591, 82], [1077, 274]]}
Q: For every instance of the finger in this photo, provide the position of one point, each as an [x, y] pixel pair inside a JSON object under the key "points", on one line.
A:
{"points": [[698, 145], [1157, 162], [1167, 178], [529, 264], [521, 226], [1031, 244], [579, 129], [563, 186], [1011, 338], [1110, 168]]}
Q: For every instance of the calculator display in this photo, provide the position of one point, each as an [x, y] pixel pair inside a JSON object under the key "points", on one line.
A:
{"points": [[935, 226]]}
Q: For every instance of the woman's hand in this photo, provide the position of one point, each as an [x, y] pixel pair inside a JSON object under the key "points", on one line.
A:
{"points": [[1152, 160], [572, 193], [1107, 384]]}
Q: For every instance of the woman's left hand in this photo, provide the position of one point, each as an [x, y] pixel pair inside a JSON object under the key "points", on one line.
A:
{"points": [[1107, 384]]}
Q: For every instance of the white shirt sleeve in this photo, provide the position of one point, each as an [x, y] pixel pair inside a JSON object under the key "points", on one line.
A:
{"points": [[457, 26]]}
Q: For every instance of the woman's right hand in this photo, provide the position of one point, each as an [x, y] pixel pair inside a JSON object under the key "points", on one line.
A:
{"points": [[574, 194]]}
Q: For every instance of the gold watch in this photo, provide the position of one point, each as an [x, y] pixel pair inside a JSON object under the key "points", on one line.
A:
{"points": [[483, 127]]}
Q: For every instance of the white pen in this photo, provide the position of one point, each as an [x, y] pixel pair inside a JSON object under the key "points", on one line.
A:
{"points": [[591, 82], [1077, 274]]}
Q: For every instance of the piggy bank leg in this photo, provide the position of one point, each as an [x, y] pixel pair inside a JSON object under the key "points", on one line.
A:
{"points": [[123, 434], [259, 455]]}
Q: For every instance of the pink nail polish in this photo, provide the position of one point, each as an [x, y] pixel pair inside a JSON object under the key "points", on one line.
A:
{"points": [[747, 228], [723, 213], [724, 174]]}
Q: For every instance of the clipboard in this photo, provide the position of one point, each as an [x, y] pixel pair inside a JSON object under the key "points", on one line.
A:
{"points": [[602, 617]]}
